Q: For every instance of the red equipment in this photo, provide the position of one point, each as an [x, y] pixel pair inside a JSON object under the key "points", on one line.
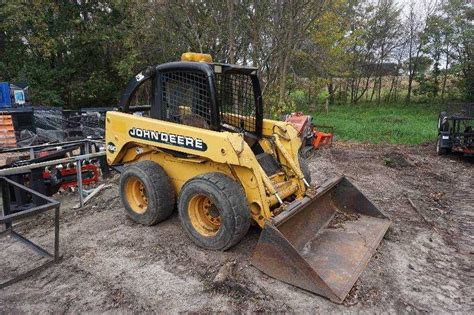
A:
{"points": [[310, 135], [67, 177]]}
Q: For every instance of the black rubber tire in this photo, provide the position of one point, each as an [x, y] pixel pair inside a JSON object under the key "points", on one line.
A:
{"points": [[159, 190], [305, 169], [229, 197], [439, 150]]}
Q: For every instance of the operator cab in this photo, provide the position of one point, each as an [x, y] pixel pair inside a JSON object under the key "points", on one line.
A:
{"points": [[203, 94]]}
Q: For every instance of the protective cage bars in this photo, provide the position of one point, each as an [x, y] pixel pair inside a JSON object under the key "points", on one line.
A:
{"points": [[236, 98], [186, 98]]}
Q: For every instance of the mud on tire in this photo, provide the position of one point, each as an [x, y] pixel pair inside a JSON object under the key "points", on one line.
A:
{"points": [[147, 193], [214, 211]]}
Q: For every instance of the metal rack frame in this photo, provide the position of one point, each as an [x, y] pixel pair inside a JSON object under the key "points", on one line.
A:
{"points": [[35, 169], [7, 218]]}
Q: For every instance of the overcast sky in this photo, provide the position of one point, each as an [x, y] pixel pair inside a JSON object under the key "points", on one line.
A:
{"points": [[405, 4]]}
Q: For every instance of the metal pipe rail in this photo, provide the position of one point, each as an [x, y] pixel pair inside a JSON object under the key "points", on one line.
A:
{"points": [[55, 144], [86, 143], [27, 168]]}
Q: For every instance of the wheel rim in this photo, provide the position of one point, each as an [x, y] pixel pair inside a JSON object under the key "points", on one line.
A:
{"points": [[204, 215], [136, 195]]}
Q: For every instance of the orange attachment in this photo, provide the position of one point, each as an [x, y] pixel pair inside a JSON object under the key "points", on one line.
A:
{"points": [[321, 138], [308, 131], [300, 121]]}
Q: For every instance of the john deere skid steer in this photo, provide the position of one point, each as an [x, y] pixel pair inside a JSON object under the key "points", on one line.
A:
{"points": [[203, 147]]}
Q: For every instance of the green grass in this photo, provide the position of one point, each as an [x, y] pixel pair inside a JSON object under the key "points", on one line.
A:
{"points": [[396, 124]]}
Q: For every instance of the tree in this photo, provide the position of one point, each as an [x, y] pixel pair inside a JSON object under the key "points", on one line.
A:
{"points": [[459, 44], [415, 24], [64, 50], [81, 53], [333, 34], [449, 40]]}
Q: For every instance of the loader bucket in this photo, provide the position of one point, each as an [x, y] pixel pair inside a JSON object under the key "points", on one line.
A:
{"points": [[322, 242]]}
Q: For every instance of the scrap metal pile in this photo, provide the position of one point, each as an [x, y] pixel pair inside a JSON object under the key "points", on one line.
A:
{"points": [[44, 125], [39, 139], [43, 150], [54, 165]]}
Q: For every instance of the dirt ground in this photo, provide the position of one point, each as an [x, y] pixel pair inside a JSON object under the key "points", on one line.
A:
{"points": [[424, 263]]}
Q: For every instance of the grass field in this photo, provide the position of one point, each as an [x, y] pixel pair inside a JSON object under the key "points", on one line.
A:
{"points": [[396, 124]]}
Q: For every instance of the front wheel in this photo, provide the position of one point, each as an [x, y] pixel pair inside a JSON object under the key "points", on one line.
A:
{"points": [[214, 211], [440, 150]]}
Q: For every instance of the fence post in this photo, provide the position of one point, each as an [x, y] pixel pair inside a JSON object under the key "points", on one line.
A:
{"points": [[4, 203]]}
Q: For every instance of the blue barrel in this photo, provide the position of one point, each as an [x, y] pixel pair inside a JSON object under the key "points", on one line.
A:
{"points": [[5, 99]]}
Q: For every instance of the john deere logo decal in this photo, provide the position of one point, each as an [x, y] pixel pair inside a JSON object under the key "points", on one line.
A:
{"points": [[168, 138]]}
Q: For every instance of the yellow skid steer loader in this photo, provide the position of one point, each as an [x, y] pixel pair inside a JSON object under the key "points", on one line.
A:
{"points": [[204, 147]]}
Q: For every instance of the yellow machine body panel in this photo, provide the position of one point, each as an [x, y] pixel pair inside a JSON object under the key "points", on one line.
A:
{"points": [[132, 138]]}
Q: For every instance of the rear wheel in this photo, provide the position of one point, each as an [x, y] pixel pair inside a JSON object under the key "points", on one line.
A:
{"points": [[213, 210], [439, 149], [147, 193]]}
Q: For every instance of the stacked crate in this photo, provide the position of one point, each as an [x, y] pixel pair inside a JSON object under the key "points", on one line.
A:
{"points": [[7, 132]]}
